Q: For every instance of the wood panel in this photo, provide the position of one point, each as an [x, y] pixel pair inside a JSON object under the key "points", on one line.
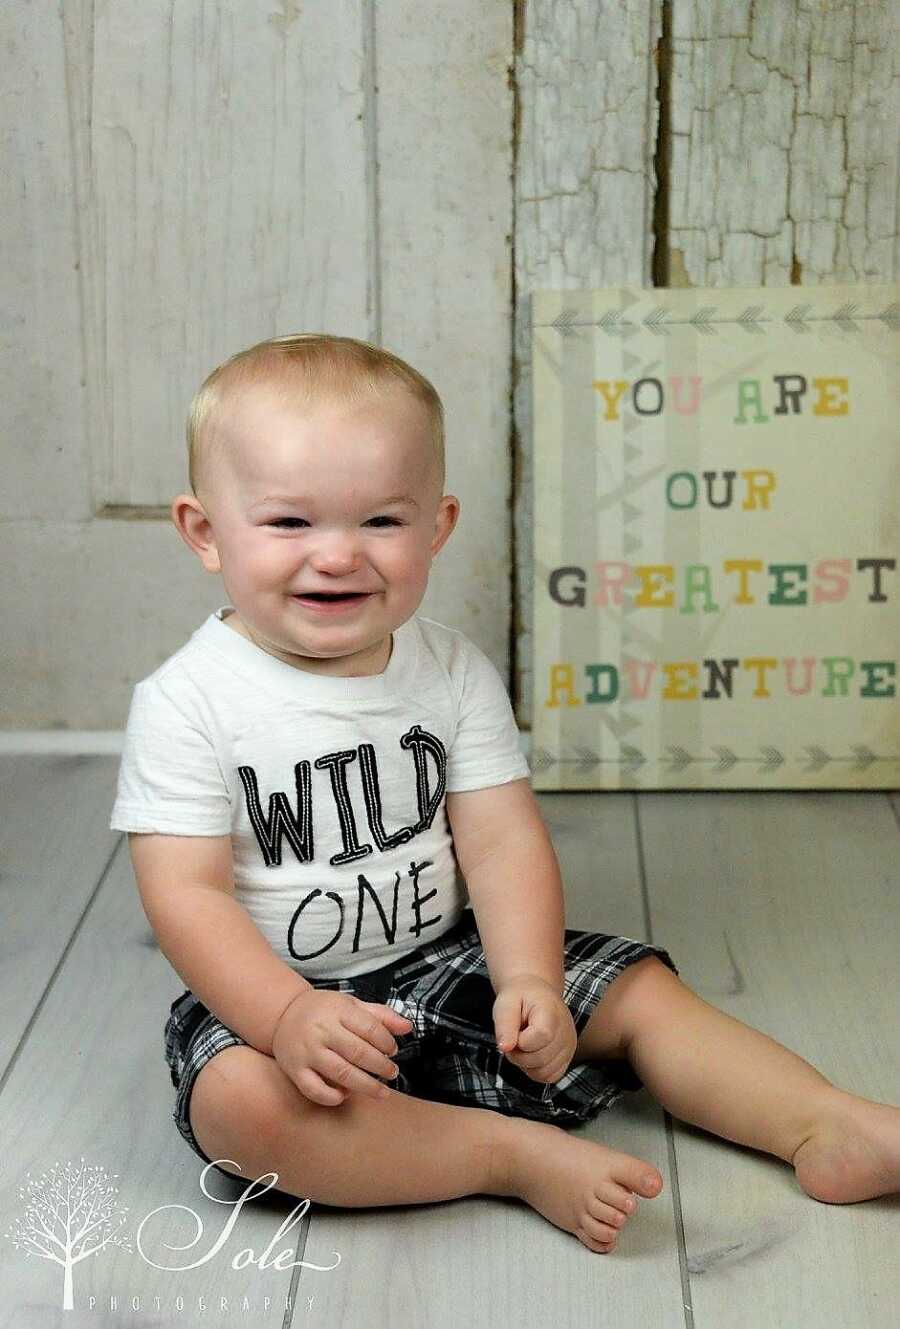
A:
{"points": [[781, 909], [55, 846], [184, 181], [442, 276], [586, 127], [784, 143], [777, 908], [91, 1082]]}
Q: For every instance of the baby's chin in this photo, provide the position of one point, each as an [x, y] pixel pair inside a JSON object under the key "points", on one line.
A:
{"points": [[367, 657]]}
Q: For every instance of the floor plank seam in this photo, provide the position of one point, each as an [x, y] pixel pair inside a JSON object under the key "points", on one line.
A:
{"points": [[684, 1275], [683, 1271], [642, 869], [895, 808], [48, 986]]}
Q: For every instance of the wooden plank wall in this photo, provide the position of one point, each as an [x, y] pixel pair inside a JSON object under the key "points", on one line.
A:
{"points": [[183, 180]]}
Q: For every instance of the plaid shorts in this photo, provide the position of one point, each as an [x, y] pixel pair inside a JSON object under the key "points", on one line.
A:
{"points": [[450, 1055]]}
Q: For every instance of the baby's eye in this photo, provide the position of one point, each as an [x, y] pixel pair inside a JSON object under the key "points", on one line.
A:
{"points": [[288, 521]]}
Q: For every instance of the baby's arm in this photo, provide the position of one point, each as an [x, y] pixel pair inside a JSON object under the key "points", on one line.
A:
{"points": [[321, 1039], [186, 884], [510, 867]]}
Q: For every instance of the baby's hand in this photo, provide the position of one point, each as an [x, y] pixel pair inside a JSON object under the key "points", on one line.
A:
{"points": [[534, 1028], [326, 1041]]}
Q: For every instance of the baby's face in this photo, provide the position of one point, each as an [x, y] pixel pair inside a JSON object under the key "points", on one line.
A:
{"points": [[327, 500]]}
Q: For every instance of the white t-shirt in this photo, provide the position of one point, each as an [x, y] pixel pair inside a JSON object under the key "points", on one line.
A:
{"points": [[333, 789]]}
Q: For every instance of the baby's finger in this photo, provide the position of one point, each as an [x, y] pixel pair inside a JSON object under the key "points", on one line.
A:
{"points": [[365, 1023], [394, 1020], [517, 1059], [534, 1037], [541, 1074], [533, 1046], [317, 1090], [550, 1072], [359, 1051], [349, 1077], [535, 1063]]}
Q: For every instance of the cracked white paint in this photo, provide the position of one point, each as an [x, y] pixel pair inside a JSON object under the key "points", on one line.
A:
{"points": [[784, 142]]}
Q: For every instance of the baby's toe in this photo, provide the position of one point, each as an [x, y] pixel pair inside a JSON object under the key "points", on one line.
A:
{"points": [[605, 1213], [600, 1231], [604, 1245], [617, 1197]]}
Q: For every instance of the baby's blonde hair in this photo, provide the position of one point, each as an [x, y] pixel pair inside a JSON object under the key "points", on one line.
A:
{"points": [[314, 366]]}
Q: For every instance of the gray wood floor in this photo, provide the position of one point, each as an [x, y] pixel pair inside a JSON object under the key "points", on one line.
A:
{"points": [[780, 908]]}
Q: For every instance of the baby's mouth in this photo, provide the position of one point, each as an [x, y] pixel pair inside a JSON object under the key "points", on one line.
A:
{"points": [[331, 602], [333, 595]]}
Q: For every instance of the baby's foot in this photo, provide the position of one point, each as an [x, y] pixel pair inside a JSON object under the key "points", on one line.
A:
{"points": [[853, 1152], [582, 1187]]}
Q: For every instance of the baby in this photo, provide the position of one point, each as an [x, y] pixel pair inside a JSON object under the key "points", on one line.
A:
{"points": [[337, 846]]}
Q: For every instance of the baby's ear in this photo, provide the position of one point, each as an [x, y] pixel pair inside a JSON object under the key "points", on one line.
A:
{"points": [[195, 529], [447, 516]]}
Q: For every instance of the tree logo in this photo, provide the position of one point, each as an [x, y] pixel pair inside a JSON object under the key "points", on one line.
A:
{"points": [[70, 1213]]}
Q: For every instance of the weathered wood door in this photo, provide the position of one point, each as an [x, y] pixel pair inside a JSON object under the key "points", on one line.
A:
{"points": [[182, 181]]}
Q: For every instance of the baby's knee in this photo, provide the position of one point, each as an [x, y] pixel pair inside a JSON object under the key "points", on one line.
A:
{"points": [[643, 986], [651, 975], [238, 1104]]}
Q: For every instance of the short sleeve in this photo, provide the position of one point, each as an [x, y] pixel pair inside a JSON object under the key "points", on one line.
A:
{"points": [[486, 749], [170, 779]]}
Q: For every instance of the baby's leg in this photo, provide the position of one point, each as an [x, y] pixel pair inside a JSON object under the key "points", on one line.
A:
{"points": [[407, 1150], [709, 1069]]}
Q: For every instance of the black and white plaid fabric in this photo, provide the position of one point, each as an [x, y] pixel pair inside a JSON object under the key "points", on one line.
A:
{"points": [[450, 1054]]}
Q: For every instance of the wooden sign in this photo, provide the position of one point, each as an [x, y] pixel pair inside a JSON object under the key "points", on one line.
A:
{"points": [[716, 494]]}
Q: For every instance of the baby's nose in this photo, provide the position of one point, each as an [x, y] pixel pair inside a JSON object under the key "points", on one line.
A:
{"points": [[337, 554]]}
